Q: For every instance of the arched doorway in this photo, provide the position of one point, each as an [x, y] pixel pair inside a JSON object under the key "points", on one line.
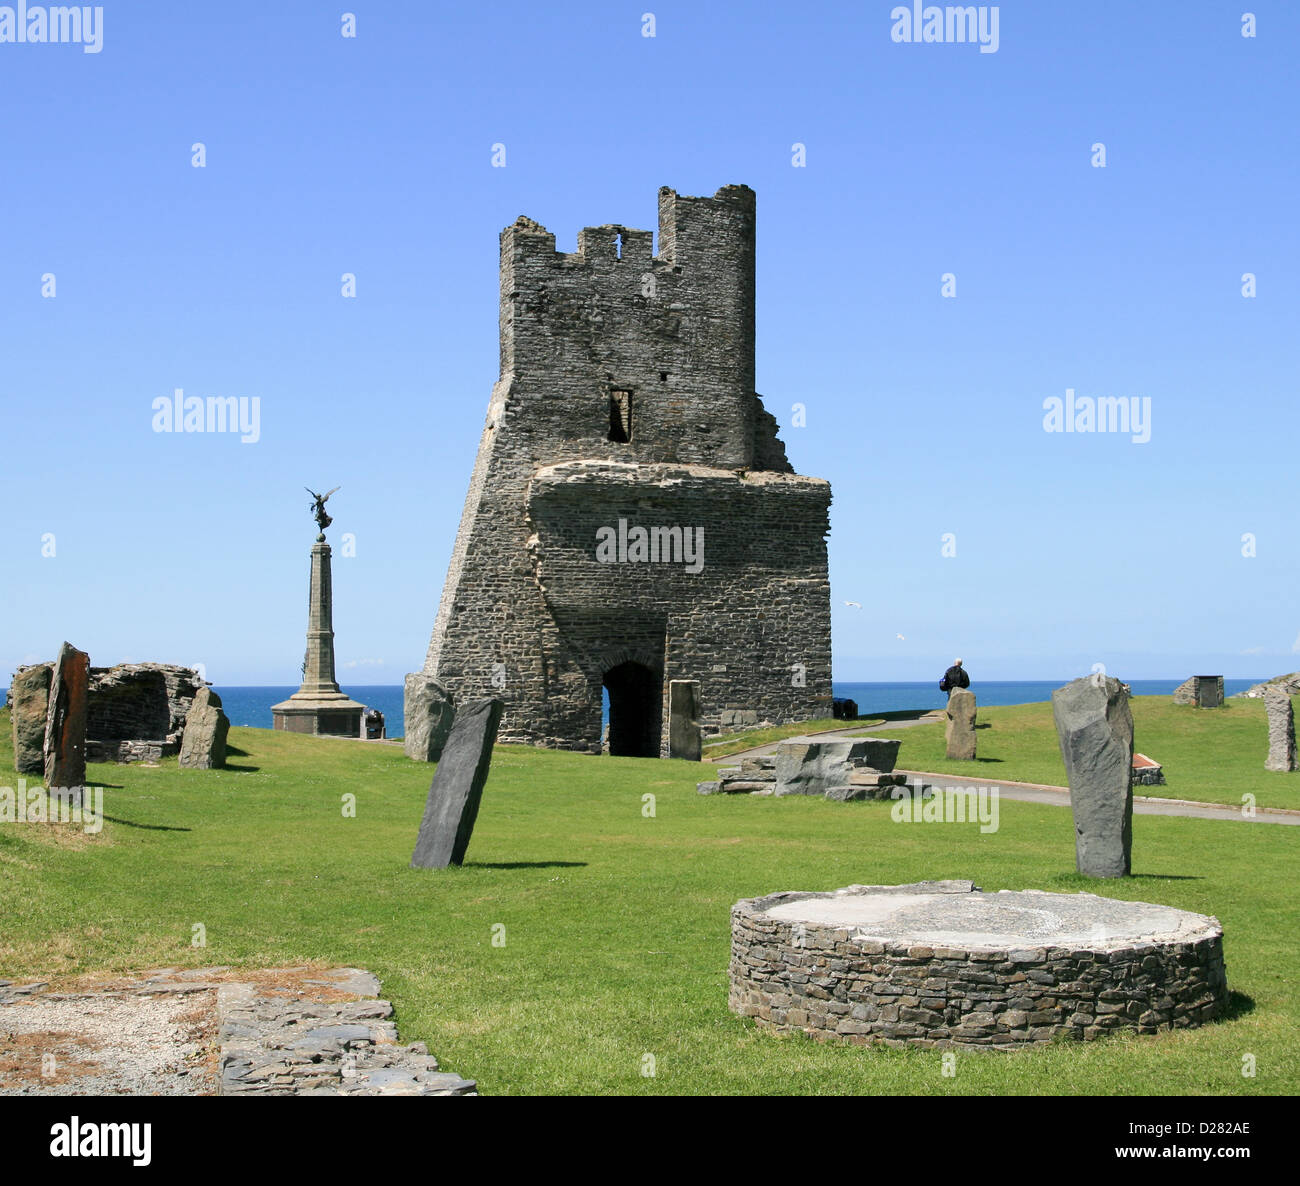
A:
{"points": [[635, 710]]}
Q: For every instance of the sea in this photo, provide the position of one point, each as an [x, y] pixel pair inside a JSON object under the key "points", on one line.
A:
{"points": [[251, 706]]}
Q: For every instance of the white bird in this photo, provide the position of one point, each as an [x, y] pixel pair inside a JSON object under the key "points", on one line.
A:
{"points": [[854, 604], [900, 638]]}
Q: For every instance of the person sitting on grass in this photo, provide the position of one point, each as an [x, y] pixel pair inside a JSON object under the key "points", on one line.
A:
{"points": [[955, 677]]}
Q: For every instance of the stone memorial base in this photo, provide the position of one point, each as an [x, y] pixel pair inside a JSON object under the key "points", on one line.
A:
{"points": [[326, 716], [941, 964]]}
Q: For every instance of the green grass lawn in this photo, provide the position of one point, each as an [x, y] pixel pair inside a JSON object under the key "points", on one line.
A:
{"points": [[1211, 755], [616, 925]]}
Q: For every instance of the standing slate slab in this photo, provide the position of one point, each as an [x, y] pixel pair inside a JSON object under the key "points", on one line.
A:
{"points": [[684, 739], [65, 720], [960, 732], [457, 787], [1095, 729]]}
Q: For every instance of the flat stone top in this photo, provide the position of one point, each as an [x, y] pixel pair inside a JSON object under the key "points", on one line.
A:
{"points": [[1006, 920]]}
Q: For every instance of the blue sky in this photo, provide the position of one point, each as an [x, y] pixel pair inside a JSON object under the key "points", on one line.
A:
{"points": [[372, 155]]}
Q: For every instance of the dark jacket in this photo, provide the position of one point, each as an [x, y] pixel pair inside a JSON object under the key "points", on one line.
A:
{"points": [[954, 677]]}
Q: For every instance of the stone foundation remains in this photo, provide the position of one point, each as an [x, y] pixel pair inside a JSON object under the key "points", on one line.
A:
{"points": [[135, 712]]}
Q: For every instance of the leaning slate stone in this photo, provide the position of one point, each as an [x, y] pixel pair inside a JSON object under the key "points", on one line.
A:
{"points": [[203, 745], [29, 696], [1095, 729], [427, 716], [65, 720], [960, 731], [457, 787], [1281, 730]]}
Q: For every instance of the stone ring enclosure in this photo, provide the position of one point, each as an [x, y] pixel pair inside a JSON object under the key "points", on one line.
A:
{"points": [[941, 963]]}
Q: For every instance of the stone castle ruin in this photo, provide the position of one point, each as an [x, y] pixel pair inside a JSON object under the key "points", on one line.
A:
{"points": [[632, 518]]}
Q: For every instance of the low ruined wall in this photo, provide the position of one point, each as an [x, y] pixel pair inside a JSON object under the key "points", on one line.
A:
{"points": [[792, 976]]}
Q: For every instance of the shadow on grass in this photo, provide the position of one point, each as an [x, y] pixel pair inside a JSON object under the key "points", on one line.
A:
{"points": [[235, 751], [900, 714], [127, 823], [1161, 877], [1239, 1005], [525, 864]]}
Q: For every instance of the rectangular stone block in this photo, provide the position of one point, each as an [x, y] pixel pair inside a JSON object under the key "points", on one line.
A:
{"points": [[684, 739]]}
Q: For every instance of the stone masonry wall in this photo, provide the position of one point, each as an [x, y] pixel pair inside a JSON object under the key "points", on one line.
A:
{"points": [[901, 994], [527, 612]]}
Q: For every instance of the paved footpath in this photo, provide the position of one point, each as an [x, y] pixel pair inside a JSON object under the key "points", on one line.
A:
{"points": [[1032, 792]]}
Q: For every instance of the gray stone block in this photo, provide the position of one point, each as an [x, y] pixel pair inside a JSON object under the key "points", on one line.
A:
{"points": [[1281, 730], [960, 730], [457, 787], [813, 765], [428, 716], [203, 745], [29, 696], [1095, 730]]}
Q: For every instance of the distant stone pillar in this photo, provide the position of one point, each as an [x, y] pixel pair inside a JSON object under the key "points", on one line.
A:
{"points": [[319, 705], [960, 730], [65, 722], [1281, 730], [683, 720]]}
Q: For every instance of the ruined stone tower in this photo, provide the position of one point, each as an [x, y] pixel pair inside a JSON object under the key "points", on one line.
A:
{"points": [[632, 518]]}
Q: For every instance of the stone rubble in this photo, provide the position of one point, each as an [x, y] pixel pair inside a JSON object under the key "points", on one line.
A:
{"points": [[282, 1034], [843, 771], [272, 1045]]}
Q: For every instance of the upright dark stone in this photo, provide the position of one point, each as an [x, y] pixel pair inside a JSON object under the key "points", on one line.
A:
{"points": [[65, 720], [457, 787], [203, 746], [960, 730], [1095, 729], [29, 696], [683, 720]]}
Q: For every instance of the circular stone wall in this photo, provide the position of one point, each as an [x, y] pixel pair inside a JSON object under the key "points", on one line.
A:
{"points": [[940, 964]]}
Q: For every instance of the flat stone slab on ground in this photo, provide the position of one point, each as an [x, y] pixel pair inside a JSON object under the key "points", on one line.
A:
{"points": [[213, 1031], [979, 921]]}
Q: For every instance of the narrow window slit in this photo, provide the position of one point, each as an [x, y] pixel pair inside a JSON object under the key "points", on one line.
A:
{"points": [[620, 416]]}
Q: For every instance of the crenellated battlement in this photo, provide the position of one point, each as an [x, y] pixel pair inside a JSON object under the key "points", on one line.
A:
{"points": [[675, 329]]}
